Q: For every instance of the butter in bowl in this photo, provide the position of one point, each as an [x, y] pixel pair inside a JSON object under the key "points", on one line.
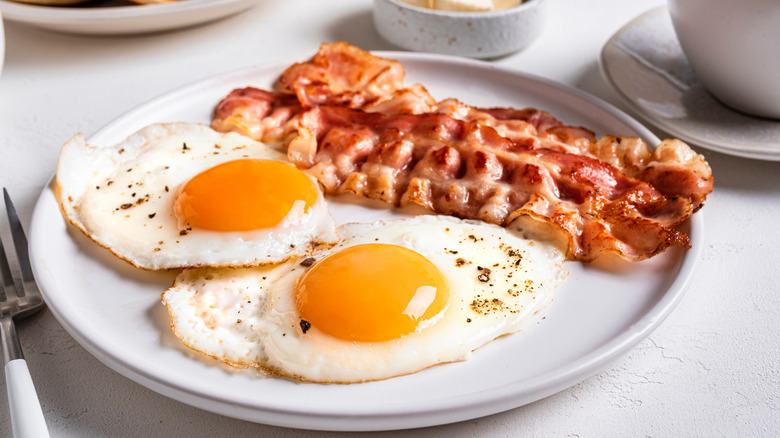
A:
{"points": [[464, 5], [470, 28]]}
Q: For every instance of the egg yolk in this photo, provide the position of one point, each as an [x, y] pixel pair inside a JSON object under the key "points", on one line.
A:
{"points": [[371, 293], [242, 195]]}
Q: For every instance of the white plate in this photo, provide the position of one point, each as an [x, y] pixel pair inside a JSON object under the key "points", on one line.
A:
{"points": [[114, 311], [644, 63], [86, 19]]}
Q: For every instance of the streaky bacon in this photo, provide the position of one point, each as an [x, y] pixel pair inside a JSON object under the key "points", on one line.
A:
{"points": [[339, 74], [467, 169], [262, 115], [530, 127], [342, 74], [351, 123], [412, 100], [673, 168]]}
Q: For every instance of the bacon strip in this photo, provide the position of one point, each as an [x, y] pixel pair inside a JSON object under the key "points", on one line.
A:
{"points": [[466, 169], [352, 124], [530, 127], [259, 114], [341, 74]]}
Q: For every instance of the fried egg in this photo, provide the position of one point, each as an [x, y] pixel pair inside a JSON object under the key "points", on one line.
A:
{"points": [[391, 298], [183, 195]]}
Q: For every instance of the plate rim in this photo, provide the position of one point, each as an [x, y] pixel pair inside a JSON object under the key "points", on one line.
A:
{"points": [[409, 415]]}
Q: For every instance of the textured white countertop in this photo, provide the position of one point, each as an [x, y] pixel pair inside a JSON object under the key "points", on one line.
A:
{"points": [[711, 369]]}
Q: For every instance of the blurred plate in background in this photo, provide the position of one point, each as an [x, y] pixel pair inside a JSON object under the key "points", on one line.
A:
{"points": [[109, 18]]}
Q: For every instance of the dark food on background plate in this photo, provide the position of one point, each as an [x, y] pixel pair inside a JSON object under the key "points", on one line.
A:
{"points": [[92, 2], [348, 119], [52, 2]]}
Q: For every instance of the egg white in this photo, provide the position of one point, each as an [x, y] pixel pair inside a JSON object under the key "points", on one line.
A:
{"points": [[122, 197], [248, 317]]}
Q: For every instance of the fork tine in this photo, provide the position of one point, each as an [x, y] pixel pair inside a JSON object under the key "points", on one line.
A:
{"points": [[20, 245], [5, 273]]}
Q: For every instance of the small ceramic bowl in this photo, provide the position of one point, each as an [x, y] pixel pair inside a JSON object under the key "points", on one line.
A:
{"points": [[471, 34]]}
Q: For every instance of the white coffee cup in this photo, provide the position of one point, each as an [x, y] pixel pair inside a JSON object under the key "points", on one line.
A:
{"points": [[734, 49]]}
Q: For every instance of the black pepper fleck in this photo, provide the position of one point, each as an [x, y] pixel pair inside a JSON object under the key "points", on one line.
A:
{"points": [[485, 275]]}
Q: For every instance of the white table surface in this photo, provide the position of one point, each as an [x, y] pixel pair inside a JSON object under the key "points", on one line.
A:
{"points": [[711, 369]]}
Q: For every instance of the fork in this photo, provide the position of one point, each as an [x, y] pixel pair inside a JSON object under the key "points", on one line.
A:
{"points": [[18, 300]]}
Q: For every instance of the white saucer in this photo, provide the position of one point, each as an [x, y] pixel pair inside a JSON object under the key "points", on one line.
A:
{"points": [[644, 63]]}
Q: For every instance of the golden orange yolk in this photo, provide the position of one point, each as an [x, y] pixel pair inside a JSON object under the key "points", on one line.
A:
{"points": [[242, 195], [371, 293]]}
